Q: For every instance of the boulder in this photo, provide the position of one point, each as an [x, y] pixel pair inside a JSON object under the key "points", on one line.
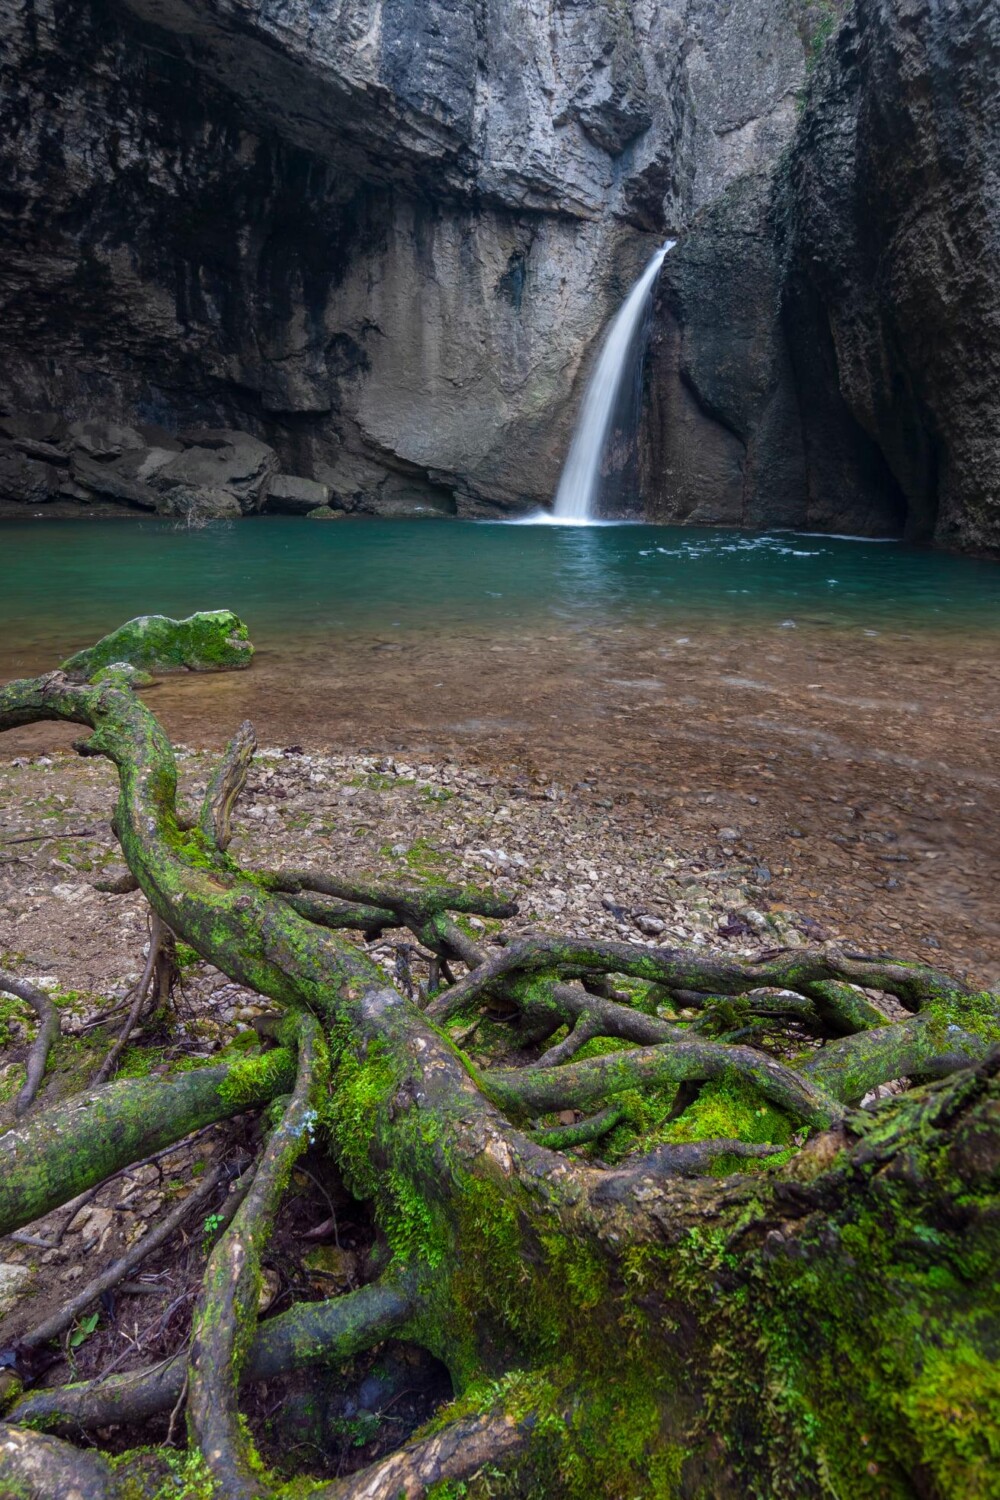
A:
{"points": [[107, 481], [291, 495], [25, 479], [38, 427], [211, 641], [220, 459], [143, 463], [325, 513], [102, 439], [14, 1282], [199, 503]]}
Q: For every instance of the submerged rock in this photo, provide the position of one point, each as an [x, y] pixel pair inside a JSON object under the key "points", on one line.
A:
{"points": [[211, 641]]}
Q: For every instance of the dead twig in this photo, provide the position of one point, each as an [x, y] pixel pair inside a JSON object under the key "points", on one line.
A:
{"points": [[51, 1327], [157, 932]]}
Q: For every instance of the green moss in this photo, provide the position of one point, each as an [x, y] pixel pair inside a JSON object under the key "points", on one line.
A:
{"points": [[953, 1407], [12, 1080], [979, 1014], [15, 1015], [732, 1110], [422, 858], [139, 1062], [253, 1077], [436, 794], [377, 781], [186, 957]]}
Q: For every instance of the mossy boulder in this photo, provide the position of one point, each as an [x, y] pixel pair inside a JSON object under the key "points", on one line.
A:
{"points": [[213, 640], [122, 670], [324, 513]]}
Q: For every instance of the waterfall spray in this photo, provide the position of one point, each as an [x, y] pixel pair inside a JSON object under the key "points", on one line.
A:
{"points": [[578, 484]]}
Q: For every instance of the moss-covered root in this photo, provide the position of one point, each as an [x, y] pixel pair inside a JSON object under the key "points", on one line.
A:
{"points": [[35, 1468], [309, 1333], [75, 1145], [592, 1084], [920, 1046], [447, 1458], [226, 1314], [214, 640], [915, 985]]}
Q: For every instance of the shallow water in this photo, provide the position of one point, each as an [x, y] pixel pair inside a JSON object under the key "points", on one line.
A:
{"points": [[301, 584], [837, 702]]}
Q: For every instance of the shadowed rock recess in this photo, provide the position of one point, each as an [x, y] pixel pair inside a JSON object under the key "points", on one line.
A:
{"points": [[359, 256], [826, 346]]}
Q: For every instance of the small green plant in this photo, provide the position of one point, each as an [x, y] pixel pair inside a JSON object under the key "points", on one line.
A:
{"points": [[186, 957], [82, 1329], [436, 794], [209, 1229], [359, 1430]]}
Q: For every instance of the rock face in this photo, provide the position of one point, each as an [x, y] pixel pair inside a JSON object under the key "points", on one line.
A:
{"points": [[733, 433], [894, 252], [379, 236], [826, 350]]}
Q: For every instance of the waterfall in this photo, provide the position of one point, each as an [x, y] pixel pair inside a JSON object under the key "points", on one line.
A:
{"points": [[581, 473]]}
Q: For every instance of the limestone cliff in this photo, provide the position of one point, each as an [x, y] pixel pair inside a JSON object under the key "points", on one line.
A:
{"points": [[827, 343], [379, 235]]}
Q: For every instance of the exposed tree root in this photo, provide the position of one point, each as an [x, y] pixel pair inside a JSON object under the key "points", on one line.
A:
{"points": [[38, 1468], [224, 1317], [462, 1448], [45, 1040], [77, 1144], [157, 938], [670, 1327], [310, 1333]]}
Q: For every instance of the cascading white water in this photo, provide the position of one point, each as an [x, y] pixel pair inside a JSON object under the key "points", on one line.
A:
{"points": [[574, 502]]}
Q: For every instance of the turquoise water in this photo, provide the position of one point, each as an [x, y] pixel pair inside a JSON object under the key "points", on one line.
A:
{"points": [[67, 582]]}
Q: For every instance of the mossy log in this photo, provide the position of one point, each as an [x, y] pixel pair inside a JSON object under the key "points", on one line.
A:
{"points": [[725, 1280]]}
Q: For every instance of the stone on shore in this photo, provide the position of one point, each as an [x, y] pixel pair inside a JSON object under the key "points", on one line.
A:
{"points": [[291, 495]]}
